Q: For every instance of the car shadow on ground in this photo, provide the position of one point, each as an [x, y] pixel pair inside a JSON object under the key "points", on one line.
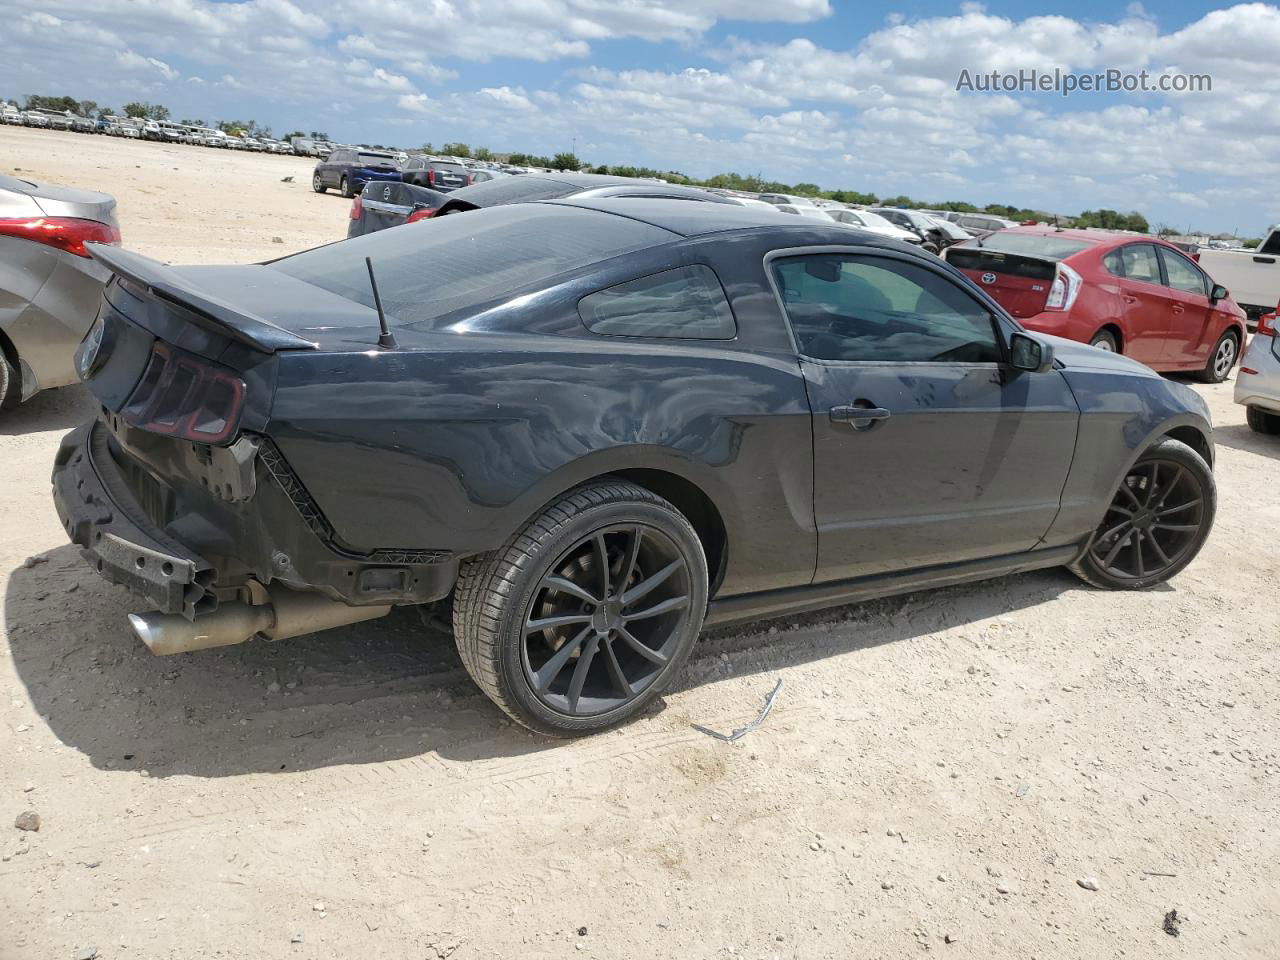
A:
{"points": [[1238, 436], [59, 409], [372, 692]]}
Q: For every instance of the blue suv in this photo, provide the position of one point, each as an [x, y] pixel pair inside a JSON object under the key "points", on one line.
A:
{"points": [[349, 169]]}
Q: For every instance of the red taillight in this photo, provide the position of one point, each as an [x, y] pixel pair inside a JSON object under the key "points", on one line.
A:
{"points": [[355, 209], [65, 233], [466, 180], [422, 213], [431, 178], [1267, 325], [181, 395], [1065, 289]]}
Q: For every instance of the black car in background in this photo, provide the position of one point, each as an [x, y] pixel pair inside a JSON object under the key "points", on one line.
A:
{"points": [[599, 423], [377, 208], [442, 175], [348, 170]]}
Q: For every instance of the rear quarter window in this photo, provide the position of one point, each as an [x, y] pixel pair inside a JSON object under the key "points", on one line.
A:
{"points": [[686, 303]]}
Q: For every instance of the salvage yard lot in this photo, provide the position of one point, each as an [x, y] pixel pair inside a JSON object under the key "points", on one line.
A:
{"points": [[942, 764]]}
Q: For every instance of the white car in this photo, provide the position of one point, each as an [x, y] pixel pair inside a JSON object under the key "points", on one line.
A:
{"points": [[1258, 380], [873, 223], [1252, 276]]}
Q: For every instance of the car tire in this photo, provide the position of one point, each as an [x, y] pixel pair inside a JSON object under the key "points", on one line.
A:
{"points": [[317, 184], [345, 187], [1105, 340], [1262, 422], [499, 595], [10, 384], [1222, 358], [1171, 482]]}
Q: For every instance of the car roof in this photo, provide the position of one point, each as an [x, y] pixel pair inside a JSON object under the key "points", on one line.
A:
{"points": [[1100, 238], [693, 218]]}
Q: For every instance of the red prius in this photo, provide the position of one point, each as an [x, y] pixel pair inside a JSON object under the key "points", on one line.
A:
{"points": [[1127, 293]]}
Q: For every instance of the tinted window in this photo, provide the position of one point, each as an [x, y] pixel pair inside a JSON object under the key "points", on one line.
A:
{"points": [[1181, 273], [1051, 246], [686, 303], [844, 307], [515, 190], [374, 159], [1114, 263], [448, 264], [451, 167], [1272, 244], [1140, 263]]}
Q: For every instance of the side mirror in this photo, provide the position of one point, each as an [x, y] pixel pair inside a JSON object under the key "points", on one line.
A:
{"points": [[1030, 353], [1219, 292]]}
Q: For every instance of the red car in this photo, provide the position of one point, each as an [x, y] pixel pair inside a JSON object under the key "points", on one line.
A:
{"points": [[1135, 295]]}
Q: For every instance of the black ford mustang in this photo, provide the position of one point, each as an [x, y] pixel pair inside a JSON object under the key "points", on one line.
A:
{"points": [[600, 424]]}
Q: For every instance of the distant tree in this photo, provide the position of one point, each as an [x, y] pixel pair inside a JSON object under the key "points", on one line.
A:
{"points": [[899, 201], [146, 111], [1111, 220], [60, 104], [565, 161], [292, 134], [193, 123], [244, 128], [456, 150], [318, 135], [427, 148], [483, 153], [1251, 243], [806, 189], [959, 206], [87, 108], [853, 196]]}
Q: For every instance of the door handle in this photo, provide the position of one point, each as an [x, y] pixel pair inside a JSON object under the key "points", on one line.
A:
{"points": [[1177, 308], [861, 414], [1129, 298]]}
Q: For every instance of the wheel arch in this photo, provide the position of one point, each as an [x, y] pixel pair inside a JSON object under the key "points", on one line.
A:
{"points": [[1193, 437], [1112, 328]]}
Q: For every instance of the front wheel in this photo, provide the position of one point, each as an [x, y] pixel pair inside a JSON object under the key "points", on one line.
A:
{"points": [[1157, 521], [317, 184], [10, 384], [1221, 359], [587, 613]]}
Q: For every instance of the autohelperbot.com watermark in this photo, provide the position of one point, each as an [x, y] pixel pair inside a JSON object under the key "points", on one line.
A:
{"points": [[1065, 82]]}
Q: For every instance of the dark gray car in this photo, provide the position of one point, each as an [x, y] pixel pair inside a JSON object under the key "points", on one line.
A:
{"points": [[50, 288]]}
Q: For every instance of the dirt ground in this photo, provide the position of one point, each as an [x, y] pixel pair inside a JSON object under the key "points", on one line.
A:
{"points": [[946, 764]]}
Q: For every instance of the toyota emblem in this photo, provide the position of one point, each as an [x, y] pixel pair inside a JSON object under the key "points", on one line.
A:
{"points": [[988, 278]]}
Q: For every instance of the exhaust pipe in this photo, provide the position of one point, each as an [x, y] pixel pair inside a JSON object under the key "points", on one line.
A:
{"points": [[287, 613]]}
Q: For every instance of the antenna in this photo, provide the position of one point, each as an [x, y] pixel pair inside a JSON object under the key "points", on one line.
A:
{"points": [[385, 337]]}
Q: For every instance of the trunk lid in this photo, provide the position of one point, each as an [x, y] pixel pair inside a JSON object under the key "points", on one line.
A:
{"points": [[1017, 282]]}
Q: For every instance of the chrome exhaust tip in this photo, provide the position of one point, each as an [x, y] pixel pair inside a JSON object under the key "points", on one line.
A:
{"points": [[287, 613]]}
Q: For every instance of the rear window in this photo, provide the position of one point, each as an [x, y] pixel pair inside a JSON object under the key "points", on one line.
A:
{"points": [[376, 159], [451, 167], [1049, 246], [441, 266]]}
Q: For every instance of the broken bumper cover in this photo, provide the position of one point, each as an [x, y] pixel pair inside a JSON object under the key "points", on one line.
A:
{"points": [[101, 516]]}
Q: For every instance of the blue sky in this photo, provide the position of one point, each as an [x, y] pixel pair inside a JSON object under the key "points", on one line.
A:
{"points": [[814, 90]]}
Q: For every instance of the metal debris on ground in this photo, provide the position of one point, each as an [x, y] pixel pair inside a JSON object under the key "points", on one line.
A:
{"points": [[741, 732], [1171, 921]]}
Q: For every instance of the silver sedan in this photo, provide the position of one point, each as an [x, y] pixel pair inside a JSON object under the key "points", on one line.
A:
{"points": [[1258, 380], [50, 287]]}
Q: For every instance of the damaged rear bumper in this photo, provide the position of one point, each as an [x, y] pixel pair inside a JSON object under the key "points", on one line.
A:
{"points": [[101, 516]]}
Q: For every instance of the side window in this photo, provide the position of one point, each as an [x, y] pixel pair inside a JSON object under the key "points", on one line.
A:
{"points": [[684, 303], [1140, 263], [1271, 246], [1114, 263], [847, 307], [1182, 274]]}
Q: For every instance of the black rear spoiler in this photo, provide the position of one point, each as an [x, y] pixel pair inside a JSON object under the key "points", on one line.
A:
{"points": [[963, 256], [220, 317]]}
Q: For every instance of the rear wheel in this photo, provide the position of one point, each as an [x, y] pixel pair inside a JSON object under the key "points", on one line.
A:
{"points": [[1262, 422], [317, 184], [346, 188], [586, 614], [1221, 359], [10, 384], [1156, 523], [1105, 340]]}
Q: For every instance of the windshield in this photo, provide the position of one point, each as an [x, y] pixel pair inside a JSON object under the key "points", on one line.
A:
{"points": [[1049, 246], [440, 266]]}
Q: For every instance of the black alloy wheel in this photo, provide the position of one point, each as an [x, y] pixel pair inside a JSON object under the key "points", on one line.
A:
{"points": [[586, 614], [1156, 522], [606, 619]]}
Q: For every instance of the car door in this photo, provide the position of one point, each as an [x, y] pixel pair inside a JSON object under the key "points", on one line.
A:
{"points": [[1145, 306], [1191, 333], [928, 448]]}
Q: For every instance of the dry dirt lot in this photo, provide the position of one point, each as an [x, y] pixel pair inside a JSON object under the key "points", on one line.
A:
{"points": [[946, 763]]}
